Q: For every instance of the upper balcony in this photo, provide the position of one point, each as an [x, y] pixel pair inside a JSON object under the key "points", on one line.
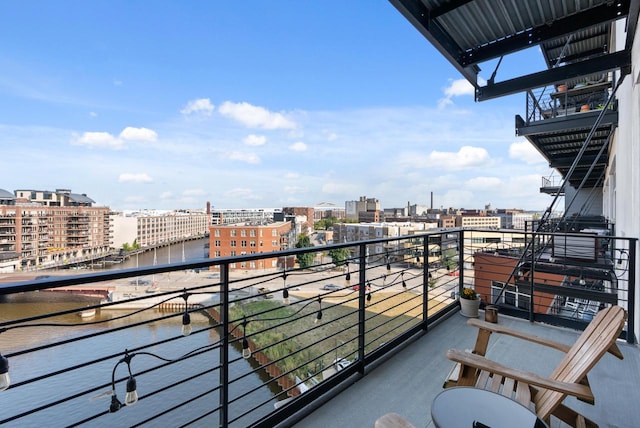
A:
{"points": [[568, 124], [384, 319]]}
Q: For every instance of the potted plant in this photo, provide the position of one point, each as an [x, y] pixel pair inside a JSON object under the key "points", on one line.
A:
{"points": [[469, 302]]}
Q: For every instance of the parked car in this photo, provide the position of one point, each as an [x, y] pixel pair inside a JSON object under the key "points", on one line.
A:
{"points": [[266, 293], [140, 281], [357, 287], [330, 287]]}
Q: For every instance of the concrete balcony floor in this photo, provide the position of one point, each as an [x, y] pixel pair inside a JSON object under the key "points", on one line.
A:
{"points": [[407, 382]]}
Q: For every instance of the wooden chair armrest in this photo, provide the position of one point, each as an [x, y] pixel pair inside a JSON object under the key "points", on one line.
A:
{"points": [[501, 329], [497, 328], [575, 389]]}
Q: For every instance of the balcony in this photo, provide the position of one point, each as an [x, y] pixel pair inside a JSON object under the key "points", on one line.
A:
{"points": [[384, 320]]}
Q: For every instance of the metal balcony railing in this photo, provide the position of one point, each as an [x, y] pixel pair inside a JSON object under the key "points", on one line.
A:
{"points": [[219, 342]]}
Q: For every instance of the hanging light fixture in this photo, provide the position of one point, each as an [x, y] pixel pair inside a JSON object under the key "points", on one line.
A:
{"points": [[131, 397], [404, 284], [388, 264], [369, 296], [186, 318], [246, 351], [319, 314], [285, 291], [5, 381], [347, 277]]}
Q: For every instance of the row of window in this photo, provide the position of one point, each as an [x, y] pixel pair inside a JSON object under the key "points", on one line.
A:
{"points": [[243, 232]]}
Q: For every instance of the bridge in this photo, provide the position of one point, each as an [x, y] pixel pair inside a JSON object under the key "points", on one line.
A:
{"points": [[90, 290]]}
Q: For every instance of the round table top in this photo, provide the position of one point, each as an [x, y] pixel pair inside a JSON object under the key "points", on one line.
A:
{"points": [[462, 406]]}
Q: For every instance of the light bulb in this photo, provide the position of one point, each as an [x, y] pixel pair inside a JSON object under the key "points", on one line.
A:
{"points": [[5, 381], [115, 403], [347, 278], [318, 317], [388, 266], [404, 284], [246, 352], [132, 395], [368, 297], [186, 324], [285, 296]]}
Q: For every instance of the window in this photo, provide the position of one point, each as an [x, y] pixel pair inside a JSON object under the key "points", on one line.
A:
{"points": [[252, 233], [252, 265], [243, 232], [217, 254], [216, 232], [233, 232], [233, 254], [252, 243], [233, 243], [274, 232], [274, 243], [513, 295], [217, 243], [243, 243]]}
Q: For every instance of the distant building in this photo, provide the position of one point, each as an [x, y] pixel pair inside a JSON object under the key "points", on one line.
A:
{"points": [[233, 216], [243, 239], [150, 227], [41, 228], [364, 210]]}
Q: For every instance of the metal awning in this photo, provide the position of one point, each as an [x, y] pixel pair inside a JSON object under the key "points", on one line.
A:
{"points": [[572, 35]]}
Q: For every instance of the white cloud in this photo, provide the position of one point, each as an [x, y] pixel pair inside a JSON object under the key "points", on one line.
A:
{"points": [[129, 177], [340, 188], [456, 88], [194, 192], [241, 193], [294, 189], [331, 136], [466, 158], [200, 106], [99, 139], [524, 151], [298, 147], [255, 116], [93, 114], [255, 140], [166, 195], [117, 82], [484, 183], [244, 157], [138, 134]]}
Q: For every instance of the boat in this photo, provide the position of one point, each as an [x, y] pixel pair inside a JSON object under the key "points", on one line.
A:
{"points": [[87, 313]]}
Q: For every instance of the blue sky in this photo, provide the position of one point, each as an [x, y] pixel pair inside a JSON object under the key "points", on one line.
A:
{"points": [[167, 104]]}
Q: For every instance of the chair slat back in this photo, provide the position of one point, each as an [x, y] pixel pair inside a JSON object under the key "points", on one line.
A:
{"points": [[591, 345]]}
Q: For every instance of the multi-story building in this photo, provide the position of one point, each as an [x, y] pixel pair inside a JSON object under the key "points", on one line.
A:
{"points": [[246, 238], [364, 210], [233, 216], [150, 227], [40, 228], [478, 221]]}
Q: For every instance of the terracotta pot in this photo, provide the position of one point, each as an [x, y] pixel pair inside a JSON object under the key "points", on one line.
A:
{"points": [[585, 107], [562, 88], [469, 308]]}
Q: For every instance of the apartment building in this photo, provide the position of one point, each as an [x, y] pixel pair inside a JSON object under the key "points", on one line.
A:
{"points": [[151, 227], [364, 210], [34, 234], [249, 238], [233, 216]]}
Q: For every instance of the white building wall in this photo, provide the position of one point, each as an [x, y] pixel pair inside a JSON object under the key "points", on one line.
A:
{"points": [[622, 190], [124, 230]]}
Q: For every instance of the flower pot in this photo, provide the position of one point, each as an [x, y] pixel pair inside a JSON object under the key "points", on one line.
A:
{"points": [[562, 88], [585, 107], [469, 308]]}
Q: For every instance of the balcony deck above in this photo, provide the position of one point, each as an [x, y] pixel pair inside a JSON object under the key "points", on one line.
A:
{"points": [[407, 382]]}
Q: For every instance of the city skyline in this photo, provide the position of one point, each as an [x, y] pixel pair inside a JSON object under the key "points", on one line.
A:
{"points": [[166, 106]]}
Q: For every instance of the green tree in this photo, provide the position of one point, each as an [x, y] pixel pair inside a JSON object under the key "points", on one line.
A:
{"points": [[304, 260], [339, 256]]}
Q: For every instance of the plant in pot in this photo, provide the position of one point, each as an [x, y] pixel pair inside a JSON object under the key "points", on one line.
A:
{"points": [[469, 302]]}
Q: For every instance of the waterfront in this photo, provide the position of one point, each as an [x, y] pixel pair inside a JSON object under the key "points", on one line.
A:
{"points": [[202, 394]]}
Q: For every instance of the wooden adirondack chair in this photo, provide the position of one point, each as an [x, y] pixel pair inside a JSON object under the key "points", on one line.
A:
{"points": [[544, 395]]}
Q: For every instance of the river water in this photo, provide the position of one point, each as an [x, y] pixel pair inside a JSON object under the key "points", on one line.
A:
{"points": [[28, 366]]}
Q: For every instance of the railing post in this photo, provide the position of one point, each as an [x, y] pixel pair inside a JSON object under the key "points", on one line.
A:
{"points": [[531, 276], [425, 283], [224, 348], [362, 278], [631, 304], [460, 261]]}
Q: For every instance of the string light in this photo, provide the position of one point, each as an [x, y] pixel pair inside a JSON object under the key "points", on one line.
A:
{"points": [[5, 381], [246, 351], [186, 318], [388, 264], [404, 284], [285, 292], [319, 314], [131, 397], [347, 277]]}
